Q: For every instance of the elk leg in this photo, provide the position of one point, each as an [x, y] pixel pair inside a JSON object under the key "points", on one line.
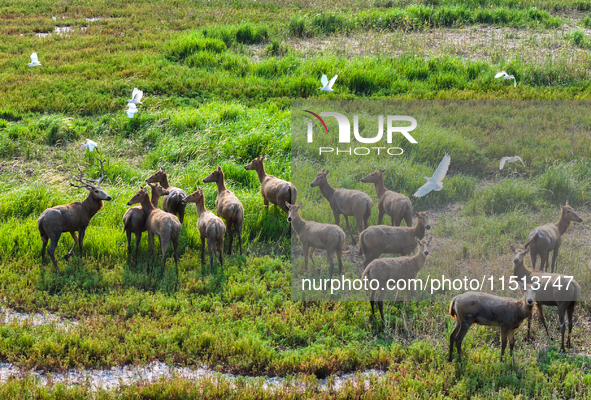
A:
{"points": [[151, 240], [266, 203], [381, 216], [81, 234], [138, 238], [511, 339], [51, 251], [554, 257], [371, 302], [239, 233], [210, 248], [44, 239], [221, 255], [164, 247], [231, 234], [561, 311], [408, 219], [465, 326], [381, 308], [349, 229], [305, 250], [339, 258], [570, 310], [544, 256], [69, 253], [543, 319], [452, 337], [128, 234], [330, 263], [202, 251], [311, 251], [534, 256], [175, 246], [181, 213]]}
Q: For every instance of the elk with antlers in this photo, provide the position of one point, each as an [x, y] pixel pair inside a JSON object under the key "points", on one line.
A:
{"points": [[73, 217]]}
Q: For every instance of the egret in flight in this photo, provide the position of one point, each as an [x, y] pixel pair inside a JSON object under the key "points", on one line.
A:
{"points": [[510, 160], [136, 96], [506, 76], [436, 181], [34, 61], [326, 84], [90, 144]]}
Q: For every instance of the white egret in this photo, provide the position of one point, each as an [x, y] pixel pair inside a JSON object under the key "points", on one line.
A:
{"points": [[136, 96], [131, 110], [435, 182], [326, 84], [90, 144], [34, 61], [506, 76], [510, 160]]}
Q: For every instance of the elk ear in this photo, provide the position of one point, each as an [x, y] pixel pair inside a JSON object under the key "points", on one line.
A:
{"points": [[219, 167], [382, 171], [263, 158], [417, 239], [326, 173], [512, 248], [526, 251], [288, 204], [300, 205], [163, 169]]}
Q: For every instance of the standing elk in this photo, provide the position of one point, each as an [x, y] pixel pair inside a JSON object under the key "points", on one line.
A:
{"points": [[173, 202], [134, 220], [228, 207], [379, 239], [160, 223], [396, 205], [490, 310], [211, 227], [317, 235], [348, 202], [554, 290], [544, 239], [73, 217], [274, 190]]}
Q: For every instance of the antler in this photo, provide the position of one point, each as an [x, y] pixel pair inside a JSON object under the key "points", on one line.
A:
{"points": [[79, 179], [99, 180]]}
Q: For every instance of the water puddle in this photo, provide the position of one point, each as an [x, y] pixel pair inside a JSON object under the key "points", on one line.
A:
{"points": [[42, 35], [8, 316], [93, 19], [60, 30], [156, 371]]}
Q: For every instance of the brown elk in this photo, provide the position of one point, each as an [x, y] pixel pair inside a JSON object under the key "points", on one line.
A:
{"points": [[134, 220], [160, 223], [554, 290], [544, 239], [211, 227], [274, 190], [490, 310], [317, 235], [396, 205], [348, 202], [73, 217], [386, 270], [228, 207], [379, 239], [173, 202]]}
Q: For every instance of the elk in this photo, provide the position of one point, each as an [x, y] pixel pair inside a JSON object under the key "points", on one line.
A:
{"points": [[73, 217], [490, 310], [544, 239], [379, 239], [228, 207], [160, 223], [274, 190], [387, 270], [173, 202], [554, 290], [348, 202], [211, 227], [316, 235], [134, 220], [396, 205]]}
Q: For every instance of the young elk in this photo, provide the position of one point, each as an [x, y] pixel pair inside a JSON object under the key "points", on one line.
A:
{"points": [[490, 310], [228, 207], [160, 223], [73, 217], [211, 227], [173, 202], [274, 190], [134, 220], [544, 239], [396, 205], [388, 270], [316, 235], [379, 239], [348, 202], [554, 290]]}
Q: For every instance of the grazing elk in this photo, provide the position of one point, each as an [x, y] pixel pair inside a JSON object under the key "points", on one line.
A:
{"points": [[134, 220], [173, 202], [544, 239], [386, 270], [211, 227], [554, 290], [228, 207], [160, 223], [490, 310], [348, 202], [316, 235], [274, 190], [379, 239], [73, 217], [396, 205]]}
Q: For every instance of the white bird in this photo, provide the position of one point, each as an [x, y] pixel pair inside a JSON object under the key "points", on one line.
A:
{"points": [[506, 76], [136, 96], [131, 110], [435, 182], [326, 84], [34, 61], [510, 160], [90, 144]]}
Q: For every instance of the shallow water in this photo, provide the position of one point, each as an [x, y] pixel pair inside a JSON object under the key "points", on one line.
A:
{"points": [[8, 316], [63, 29]]}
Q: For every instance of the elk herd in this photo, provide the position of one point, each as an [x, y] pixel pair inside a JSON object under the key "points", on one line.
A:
{"points": [[467, 309]]}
